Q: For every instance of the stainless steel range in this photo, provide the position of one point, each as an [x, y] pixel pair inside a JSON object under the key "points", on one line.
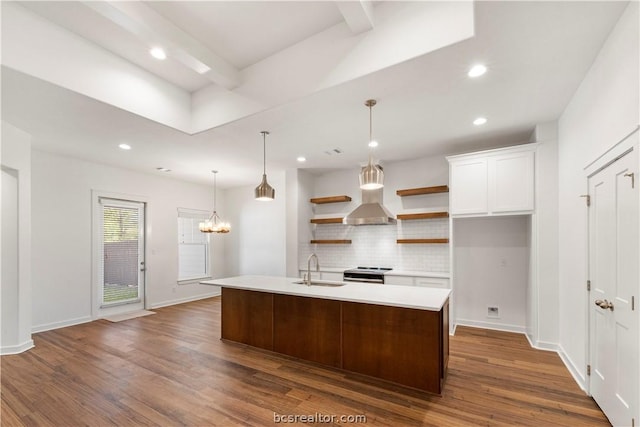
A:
{"points": [[365, 274]]}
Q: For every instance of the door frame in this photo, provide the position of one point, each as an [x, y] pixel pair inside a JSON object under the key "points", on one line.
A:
{"points": [[629, 145], [96, 250]]}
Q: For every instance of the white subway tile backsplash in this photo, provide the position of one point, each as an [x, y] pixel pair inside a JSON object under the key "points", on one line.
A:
{"points": [[375, 245]]}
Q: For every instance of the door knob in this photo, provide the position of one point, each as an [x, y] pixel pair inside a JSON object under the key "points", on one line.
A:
{"points": [[604, 304]]}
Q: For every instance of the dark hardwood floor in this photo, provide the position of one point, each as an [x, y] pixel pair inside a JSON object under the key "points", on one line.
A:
{"points": [[172, 369]]}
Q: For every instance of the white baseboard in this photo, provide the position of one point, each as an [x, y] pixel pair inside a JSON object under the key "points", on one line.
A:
{"points": [[183, 300], [61, 324], [85, 319], [15, 349], [538, 345], [542, 345], [490, 325], [575, 372]]}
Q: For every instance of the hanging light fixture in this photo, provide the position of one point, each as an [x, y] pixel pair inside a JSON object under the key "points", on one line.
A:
{"points": [[264, 191], [371, 176], [214, 224]]}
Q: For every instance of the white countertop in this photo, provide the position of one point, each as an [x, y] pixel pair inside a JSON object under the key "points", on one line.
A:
{"points": [[395, 296]]}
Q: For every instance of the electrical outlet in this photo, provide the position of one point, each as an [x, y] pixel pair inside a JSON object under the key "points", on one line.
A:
{"points": [[493, 312]]}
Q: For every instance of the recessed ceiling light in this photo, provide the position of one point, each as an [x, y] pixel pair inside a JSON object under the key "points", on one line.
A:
{"points": [[373, 144], [158, 53], [477, 70], [125, 146], [163, 169], [301, 159], [479, 121]]}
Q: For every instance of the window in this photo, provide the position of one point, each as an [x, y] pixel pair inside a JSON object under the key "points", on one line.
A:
{"points": [[193, 246]]}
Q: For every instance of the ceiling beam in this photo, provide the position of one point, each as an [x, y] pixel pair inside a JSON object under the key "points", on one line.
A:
{"points": [[357, 14], [154, 29]]}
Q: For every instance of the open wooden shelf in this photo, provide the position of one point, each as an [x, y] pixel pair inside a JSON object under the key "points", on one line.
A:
{"points": [[423, 190], [326, 221], [331, 242], [423, 215], [422, 241], [331, 199]]}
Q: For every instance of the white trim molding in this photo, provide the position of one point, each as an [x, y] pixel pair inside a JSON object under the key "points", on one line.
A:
{"points": [[492, 326], [573, 369], [16, 349], [183, 300], [63, 324]]}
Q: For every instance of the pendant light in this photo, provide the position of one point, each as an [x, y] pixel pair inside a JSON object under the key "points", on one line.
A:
{"points": [[371, 176], [264, 191], [214, 224]]}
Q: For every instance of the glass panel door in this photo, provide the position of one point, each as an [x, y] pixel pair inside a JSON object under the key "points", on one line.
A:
{"points": [[122, 278]]}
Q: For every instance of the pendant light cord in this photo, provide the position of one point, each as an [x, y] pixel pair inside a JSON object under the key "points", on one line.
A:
{"points": [[215, 188], [370, 103], [370, 133], [370, 122], [264, 151]]}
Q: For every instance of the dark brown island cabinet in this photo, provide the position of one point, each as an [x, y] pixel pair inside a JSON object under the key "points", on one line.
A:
{"points": [[406, 346]]}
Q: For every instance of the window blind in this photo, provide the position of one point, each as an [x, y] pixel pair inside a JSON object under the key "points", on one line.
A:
{"points": [[120, 253], [193, 246]]}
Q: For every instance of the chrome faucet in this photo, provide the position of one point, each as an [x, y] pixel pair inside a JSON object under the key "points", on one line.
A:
{"points": [[309, 267]]}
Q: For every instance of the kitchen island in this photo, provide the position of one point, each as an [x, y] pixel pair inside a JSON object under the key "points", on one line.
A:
{"points": [[396, 333]]}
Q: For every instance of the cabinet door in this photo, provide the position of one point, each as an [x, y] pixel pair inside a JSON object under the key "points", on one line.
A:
{"points": [[307, 328], [432, 282], [331, 276], [398, 280], [511, 182], [469, 187], [247, 317]]}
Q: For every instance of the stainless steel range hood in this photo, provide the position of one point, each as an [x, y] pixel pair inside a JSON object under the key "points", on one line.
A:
{"points": [[371, 211]]}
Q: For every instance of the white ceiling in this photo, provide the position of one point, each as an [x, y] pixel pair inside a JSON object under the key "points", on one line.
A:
{"points": [[537, 54]]}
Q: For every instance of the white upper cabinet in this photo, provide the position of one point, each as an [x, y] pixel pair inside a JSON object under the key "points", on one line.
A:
{"points": [[468, 189], [494, 182]]}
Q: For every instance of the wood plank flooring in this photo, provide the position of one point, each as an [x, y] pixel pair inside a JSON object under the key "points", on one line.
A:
{"points": [[172, 369]]}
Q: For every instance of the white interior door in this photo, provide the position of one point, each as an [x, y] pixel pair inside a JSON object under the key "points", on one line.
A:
{"points": [[615, 281], [121, 271]]}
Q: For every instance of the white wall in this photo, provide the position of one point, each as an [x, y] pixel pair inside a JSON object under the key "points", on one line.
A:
{"points": [[10, 294], [258, 241], [543, 301], [299, 210], [61, 201], [492, 269], [604, 109], [375, 244], [15, 292]]}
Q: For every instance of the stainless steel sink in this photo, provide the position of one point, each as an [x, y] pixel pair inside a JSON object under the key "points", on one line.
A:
{"points": [[320, 283]]}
